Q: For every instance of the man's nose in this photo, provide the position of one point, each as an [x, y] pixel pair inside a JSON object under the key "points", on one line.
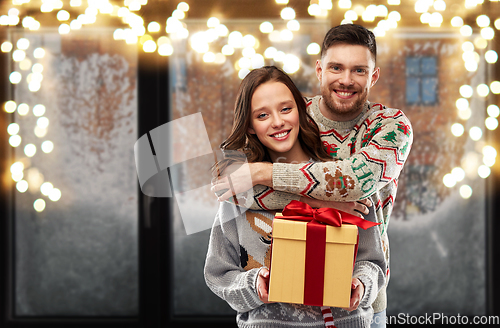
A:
{"points": [[346, 78]]}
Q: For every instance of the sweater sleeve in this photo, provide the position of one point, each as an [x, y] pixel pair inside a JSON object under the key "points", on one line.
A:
{"points": [[223, 272], [265, 198], [370, 266], [384, 148]]}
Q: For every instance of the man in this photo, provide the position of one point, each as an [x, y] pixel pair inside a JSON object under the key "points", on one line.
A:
{"points": [[368, 142]]}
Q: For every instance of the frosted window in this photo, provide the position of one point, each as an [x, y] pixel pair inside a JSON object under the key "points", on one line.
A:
{"points": [[421, 80], [79, 256]]}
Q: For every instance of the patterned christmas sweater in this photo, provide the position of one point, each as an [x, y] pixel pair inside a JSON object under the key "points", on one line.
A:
{"points": [[240, 245], [369, 153]]}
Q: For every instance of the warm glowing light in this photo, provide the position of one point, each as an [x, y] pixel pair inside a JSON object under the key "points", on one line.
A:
{"points": [[243, 72], [23, 109], [457, 129], [395, 16], [457, 21], [18, 55], [245, 62], [293, 25], [491, 56], [313, 49], [483, 90], [497, 23], [23, 43], [270, 52], [493, 110], [468, 46], [286, 35], [55, 194], [213, 22], [421, 6], [38, 110], [489, 151], [314, 10], [449, 181], [22, 186], [227, 50], [6, 46], [458, 174], [248, 41], [13, 129], [10, 106], [394, 2], [220, 58], [291, 64], [465, 191], [483, 171], [25, 64], [15, 140], [17, 176], [149, 46], [483, 21], [266, 27], [154, 27], [46, 187], [257, 61], [465, 114], [17, 168], [495, 87], [440, 5], [222, 30], [64, 29], [325, 4], [30, 150], [466, 30], [39, 205], [248, 52], [466, 91], [475, 133], [279, 56], [351, 15], [344, 4], [63, 15], [39, 53], [235, 39], [165, 49], [287, 13], [491, 123], [282, 2], [183, 6], [488, 33], [462, 104]]}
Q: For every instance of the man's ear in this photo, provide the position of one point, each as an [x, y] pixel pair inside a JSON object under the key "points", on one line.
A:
{"points": [[375, 76], [318, 69], [250, 130]]}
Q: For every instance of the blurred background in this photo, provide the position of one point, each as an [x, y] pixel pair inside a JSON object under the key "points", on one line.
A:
{"points": [[82, 80]]}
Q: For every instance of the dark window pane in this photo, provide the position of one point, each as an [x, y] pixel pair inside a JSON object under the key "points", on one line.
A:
{"points": [[429, 66], [429, 89], [412, 90], [412, 66]]}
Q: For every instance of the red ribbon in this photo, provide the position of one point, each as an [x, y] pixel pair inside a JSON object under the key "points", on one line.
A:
{"points": [[316, 242]]}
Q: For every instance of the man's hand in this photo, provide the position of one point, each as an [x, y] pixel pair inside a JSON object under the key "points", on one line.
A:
{"points": [[357, 292], [263, 285], [239, 178], [357, 208]]}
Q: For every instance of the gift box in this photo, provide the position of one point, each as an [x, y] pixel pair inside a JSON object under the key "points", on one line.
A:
{"points": [[295, 275]]}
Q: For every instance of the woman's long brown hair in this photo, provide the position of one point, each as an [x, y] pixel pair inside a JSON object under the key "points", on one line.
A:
{"points": [[248, 144]]}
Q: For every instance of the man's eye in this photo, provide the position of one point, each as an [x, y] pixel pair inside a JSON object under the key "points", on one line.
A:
{"points": [[361, 71]]}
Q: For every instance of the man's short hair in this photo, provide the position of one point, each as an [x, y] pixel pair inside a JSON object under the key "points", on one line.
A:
{"points": [[350, 34]]}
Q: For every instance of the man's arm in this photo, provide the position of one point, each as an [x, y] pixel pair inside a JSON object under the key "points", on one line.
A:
{"points": [[378, 162]]}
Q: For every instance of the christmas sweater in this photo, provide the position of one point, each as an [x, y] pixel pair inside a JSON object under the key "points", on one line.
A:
{"points": [[240, 246], [369, 153]]}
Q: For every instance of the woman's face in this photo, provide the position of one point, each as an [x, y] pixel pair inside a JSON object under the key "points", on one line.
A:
{"points": [[275, 121]]}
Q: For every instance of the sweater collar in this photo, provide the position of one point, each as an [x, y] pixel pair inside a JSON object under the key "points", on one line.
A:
{"points": [[347, 125]]}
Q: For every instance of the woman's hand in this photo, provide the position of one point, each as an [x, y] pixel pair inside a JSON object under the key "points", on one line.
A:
{"points": [[263, 285], [358, 208], [357, 292]]}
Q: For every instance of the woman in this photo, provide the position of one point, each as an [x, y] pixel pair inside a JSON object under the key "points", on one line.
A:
{"points": [[271, 124]]}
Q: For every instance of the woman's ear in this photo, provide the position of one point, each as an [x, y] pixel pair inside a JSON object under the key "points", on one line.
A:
{"points": [[250, 130]]}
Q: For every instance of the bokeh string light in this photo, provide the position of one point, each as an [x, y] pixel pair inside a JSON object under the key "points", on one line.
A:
{"points": [[216, 43]]}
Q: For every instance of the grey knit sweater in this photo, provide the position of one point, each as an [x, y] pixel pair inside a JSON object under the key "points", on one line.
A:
{"points": [[240, 246]]}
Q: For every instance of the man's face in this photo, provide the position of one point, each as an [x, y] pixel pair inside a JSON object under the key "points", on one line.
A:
{"points": [[346, 73]]}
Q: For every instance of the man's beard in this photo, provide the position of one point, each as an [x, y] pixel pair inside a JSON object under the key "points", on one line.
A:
{"points": [[341, 109]]}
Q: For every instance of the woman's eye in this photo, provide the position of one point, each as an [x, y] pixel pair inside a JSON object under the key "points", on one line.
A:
{"points": [[286, 110], [262, 115]]}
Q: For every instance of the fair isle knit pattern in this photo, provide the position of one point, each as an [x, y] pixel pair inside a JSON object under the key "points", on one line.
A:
{"points": [[240, 246], [369, 153]]}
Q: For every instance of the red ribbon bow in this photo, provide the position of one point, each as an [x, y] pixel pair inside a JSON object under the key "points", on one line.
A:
{"points": [[316, 242], [302, 212]]}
